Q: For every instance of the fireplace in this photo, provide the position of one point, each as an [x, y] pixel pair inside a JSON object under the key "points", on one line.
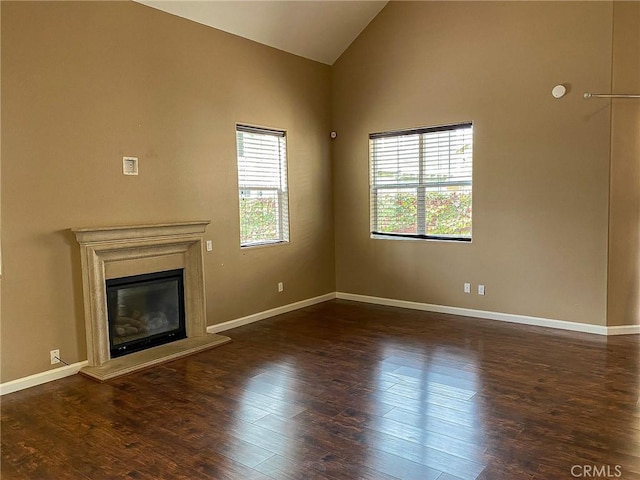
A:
{"points": [[145, 311], [144, 296]]}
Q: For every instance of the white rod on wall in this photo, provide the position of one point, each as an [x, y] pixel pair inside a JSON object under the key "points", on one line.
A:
{"points": [[610, 95]]}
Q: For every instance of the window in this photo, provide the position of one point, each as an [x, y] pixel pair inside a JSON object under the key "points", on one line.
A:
{"points": [[421, 183], [262, 186]]}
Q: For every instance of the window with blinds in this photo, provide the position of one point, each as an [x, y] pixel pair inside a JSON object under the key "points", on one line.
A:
{"points": [[421, 183], [262, 186]]}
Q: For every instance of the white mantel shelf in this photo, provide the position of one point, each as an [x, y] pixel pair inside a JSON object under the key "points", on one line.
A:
{"points": [[131, 232]]}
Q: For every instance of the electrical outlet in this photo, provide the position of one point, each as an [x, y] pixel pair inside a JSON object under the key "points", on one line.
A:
{"points": [[467, 288], [280, 287], [480, 289], [55, 356]]}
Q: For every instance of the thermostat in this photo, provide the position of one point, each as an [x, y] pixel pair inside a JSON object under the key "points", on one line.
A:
{"points": [[130, 165]]}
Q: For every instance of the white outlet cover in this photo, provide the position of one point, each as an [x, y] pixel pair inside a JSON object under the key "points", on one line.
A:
{"points": [[130, 165], [55, 356]]}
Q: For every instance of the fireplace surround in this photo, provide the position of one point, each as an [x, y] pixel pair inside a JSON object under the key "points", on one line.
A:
{"points": [[109, 253]]}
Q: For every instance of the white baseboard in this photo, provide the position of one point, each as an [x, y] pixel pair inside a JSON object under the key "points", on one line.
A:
{"points": [[503, 317], [68, 370], [239, 322], [40, 378], [624, 330]]}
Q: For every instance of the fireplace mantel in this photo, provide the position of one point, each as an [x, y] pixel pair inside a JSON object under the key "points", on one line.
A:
{"points": [[118, 251], [133, 232]]}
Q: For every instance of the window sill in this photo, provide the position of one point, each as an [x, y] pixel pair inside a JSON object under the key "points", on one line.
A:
{"points": [[378, 236], [251, 246]]}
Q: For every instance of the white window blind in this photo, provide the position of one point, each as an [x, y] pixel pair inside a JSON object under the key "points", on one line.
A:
{"points": [[421, 182], [262, 186]]}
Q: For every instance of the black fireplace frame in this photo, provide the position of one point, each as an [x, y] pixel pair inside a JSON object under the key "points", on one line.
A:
{"points": [[150, 341]]}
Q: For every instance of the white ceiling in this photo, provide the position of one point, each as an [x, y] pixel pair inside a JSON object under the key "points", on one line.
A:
{"points": [[317, 29]]}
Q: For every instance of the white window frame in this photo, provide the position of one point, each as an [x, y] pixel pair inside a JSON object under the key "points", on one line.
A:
{"points": [[263, 174], [421, 185]]}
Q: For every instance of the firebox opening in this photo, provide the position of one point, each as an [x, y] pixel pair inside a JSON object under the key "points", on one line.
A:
{"points": [[145, 311]]}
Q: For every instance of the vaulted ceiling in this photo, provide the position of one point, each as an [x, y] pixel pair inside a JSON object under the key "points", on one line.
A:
{"points": [[317, 29]]}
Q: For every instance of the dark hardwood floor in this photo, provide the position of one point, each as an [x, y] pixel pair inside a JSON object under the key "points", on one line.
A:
{"points": [[344, 390]]}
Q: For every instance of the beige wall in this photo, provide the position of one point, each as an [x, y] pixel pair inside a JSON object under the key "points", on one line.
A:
{"points": [[84, 84], [541, 165], [624, 226]]}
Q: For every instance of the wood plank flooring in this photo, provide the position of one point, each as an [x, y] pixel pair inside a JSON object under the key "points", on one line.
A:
{"points": [[345, 391]]}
